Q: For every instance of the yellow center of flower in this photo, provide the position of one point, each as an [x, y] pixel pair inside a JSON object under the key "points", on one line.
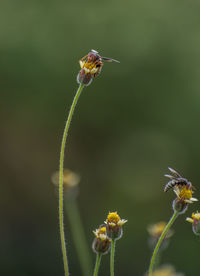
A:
{"points": [[113, 217], [89, 67], [185, 193], [102, 230]]}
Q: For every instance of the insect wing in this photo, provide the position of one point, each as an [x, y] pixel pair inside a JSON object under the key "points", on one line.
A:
{"points": [[109, 59], [169, 176], [174, 172]]}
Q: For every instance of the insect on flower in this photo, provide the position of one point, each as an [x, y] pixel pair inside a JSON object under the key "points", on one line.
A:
{"points": [[176, 180], [94, 61], [91, 65]]}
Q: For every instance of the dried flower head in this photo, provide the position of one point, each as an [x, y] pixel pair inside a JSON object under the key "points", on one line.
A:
{"points": [[101, 243], [195, 220], [166, 270], [114, 225], [91, 66], [70, 182]]}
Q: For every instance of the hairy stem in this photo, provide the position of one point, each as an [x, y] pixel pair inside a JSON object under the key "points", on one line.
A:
{"points": [[62, 151], [78, 235], [112, 257], [167, 227], [97, 265]]}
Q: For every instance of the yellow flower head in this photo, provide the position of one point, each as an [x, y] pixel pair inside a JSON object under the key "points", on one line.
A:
{"points": [[195, 217], [70, 183], [155, 230], [101, 243], [113, 219], [184, 193], [100, 233], [114, 225], [166, 271], [88, 67], [195, 220], [70, 179], [184, 198]]}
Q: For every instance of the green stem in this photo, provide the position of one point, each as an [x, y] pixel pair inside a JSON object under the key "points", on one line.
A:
{"points": [[61, 217], [171, 221], [78, 236], [112, 257], [97, 265]]}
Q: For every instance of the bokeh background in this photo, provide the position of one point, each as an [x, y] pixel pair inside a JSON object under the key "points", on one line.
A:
{"points": [[136, 119]]}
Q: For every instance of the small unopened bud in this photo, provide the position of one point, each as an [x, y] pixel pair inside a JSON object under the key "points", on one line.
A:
{"points": [[179, 206], [101, 243], [114, 225]]}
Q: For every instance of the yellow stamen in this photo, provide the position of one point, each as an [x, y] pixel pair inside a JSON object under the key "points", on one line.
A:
{"points": [[102, 230], [185, 193], [196, 216], [113, 217]]}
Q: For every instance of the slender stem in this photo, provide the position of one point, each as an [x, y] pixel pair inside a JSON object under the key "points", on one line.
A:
{"points": [[171, 221], [61, 217], [157, 260], [97, 265], [112, 257], [79, 236]]}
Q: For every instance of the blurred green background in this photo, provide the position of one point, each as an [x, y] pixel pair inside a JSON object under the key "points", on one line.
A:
{"points": [[136, 119]]}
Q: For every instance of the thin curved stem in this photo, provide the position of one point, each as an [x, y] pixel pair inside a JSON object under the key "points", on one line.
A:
{"points": [[61, 217], [112, 257], [97, 265], [171, 221], [78, 235]]}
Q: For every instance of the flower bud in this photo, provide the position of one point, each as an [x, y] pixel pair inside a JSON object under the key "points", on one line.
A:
{"points": [[101, 243], [114, 225]]}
